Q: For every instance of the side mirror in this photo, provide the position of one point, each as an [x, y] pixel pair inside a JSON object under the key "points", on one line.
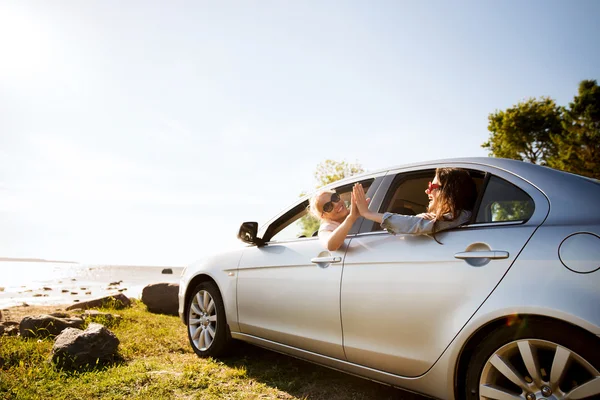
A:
{"points": [[248, 232]]}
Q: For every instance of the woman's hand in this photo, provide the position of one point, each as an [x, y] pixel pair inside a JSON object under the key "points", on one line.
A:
{"points": [[359, 200], [354, 213], [429, 216]]}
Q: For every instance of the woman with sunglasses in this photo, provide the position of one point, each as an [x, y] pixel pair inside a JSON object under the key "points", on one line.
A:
{"points": [[451, 195], [336, 219]]}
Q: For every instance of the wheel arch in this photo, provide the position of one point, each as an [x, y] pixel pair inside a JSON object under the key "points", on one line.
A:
{"points": [[195, 281], [484, 330]]}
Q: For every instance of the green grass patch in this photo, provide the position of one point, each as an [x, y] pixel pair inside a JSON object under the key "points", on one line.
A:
{"points": [[158, 363]]}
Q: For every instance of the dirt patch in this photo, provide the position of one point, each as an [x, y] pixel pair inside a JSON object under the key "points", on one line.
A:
{"points": [[18, 312]]}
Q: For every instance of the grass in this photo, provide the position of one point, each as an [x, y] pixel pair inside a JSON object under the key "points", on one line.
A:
{"points": [[157, 362]]}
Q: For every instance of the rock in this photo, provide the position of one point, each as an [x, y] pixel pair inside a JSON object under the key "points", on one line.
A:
{"points": [[9, 328], [161, 298], [117, 301], [115, 283], [64, 291], [46, 325], [47, 288], [167, 271], [60, 314], [75, 348]]}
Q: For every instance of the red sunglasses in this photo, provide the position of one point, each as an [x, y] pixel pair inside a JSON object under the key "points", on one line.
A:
{"points": [[431, 187]]}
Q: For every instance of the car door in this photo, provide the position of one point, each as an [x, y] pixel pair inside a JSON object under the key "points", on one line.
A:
{"points": [[288, 290], [405, 297]]}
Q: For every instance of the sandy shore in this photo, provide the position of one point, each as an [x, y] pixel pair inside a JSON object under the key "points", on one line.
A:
{"points": [[17, 313], [69, 292]]}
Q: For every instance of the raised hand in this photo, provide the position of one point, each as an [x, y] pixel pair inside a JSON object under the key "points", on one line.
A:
{"points": [[354, 213], [358, 197]]}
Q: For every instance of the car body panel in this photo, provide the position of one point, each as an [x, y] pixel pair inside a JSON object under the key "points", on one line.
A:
{"points": [[284, 297], [383, 328]]}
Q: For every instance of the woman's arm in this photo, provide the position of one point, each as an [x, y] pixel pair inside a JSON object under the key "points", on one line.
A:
{"points": [[421, 224]]}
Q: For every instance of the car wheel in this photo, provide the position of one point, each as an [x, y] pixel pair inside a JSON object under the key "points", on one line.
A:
{"points": [[206, 322], [535, 359]]}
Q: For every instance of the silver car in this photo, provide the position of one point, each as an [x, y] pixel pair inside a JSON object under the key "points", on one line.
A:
{"points": [[506, 307]]}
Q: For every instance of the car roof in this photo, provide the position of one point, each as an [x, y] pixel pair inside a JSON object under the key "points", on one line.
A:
{"points": [[568, 193], [544, 178]]}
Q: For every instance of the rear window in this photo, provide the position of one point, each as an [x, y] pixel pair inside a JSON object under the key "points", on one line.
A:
{"points": [[504, 202]]}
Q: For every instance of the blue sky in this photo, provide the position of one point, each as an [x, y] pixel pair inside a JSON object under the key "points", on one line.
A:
{"points": [[145, 132]]}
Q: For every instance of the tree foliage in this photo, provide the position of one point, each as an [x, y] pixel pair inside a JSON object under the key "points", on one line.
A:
{"points": [[523, 132], [578, 149], [327, 172], [540, 132]]}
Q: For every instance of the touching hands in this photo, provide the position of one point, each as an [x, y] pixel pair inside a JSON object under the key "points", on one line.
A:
{"points": [[359, 201]]}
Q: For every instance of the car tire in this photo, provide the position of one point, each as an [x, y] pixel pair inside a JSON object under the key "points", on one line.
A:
{"points": [[535, 359], [207, 328]]}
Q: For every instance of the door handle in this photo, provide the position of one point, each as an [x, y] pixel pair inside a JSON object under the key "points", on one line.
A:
{"points": [[492, 255], [325, 260]]}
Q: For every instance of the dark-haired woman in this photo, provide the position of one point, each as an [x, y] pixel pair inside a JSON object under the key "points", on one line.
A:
{"points": [[451, 197]]}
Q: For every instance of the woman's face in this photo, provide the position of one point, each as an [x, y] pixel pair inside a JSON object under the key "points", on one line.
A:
{"points": [[433, 194], [339, 212]]}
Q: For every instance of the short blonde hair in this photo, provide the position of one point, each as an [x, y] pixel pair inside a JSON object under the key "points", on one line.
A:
{"points": [[313, 204]]}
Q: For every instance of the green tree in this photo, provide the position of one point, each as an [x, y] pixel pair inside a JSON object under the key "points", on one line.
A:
{"points": [[525, 132], [327, 172], [578, 150]]}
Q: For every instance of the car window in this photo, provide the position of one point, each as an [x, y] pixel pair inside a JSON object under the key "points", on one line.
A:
{"points": [[503, 202], [407, 193], [299, 224], [292, 228]]}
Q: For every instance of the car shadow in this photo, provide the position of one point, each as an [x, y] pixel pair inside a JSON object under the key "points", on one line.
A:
{"points": [[306, 380]]}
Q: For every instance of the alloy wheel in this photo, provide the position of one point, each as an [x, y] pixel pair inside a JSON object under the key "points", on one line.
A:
{"points": [[537, 369], [202, 320]]}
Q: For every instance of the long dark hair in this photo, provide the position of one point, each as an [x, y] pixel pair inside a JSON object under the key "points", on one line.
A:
{"points": [[457, 193]]}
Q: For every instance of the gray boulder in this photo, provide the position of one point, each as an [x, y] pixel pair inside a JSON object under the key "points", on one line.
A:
{"points": [[9, 328], [167, 271], [116, 301], [161, 298], [46, 325], [75, 348]]}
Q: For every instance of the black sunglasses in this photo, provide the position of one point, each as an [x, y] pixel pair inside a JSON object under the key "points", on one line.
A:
{"points": [[328, 207]]}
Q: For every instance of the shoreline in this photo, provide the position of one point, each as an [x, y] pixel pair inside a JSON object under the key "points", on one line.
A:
{"points": [[40, 286]]}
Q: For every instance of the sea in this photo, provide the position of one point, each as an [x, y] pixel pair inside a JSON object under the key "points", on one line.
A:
{"points": [[49, 283]]}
